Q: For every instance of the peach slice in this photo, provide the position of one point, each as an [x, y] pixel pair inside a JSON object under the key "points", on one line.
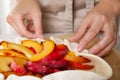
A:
{"points": [[33, 44], [4, 63], [80, 66], [20, 61], [4, 44], [27, 52], [48, 47], [9, 52], [6, 74], [18, 65], [73, 58]]}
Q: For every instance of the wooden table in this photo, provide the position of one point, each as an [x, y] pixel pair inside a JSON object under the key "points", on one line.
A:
{"points": [[113, 58]]}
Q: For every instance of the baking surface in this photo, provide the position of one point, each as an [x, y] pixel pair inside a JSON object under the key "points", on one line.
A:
{"points": [[113, 58]]}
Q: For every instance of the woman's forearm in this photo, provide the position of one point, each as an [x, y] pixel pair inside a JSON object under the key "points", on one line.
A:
{"points": [[109, 7], [23, 0]]}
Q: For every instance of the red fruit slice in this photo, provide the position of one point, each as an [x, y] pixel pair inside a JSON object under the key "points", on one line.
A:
{"points": [[59, 52], [55, 64], [61, 47], [35, 67], [16, 68], [56, 70], [55, 55], [55, 59]]}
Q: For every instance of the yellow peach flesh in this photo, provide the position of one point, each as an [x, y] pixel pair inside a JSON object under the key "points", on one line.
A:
{"points": [[4, 63], [19, 61], [72, 57], [4, 44], [48, 48], [8, 52], [34, 44], [27, 52]]}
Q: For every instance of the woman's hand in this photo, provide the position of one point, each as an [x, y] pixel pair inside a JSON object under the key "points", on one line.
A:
{"points": [[29, 11], [101, 19]]}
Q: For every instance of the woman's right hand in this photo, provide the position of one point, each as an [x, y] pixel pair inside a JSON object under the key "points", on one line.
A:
{"points": [[27, 10]]}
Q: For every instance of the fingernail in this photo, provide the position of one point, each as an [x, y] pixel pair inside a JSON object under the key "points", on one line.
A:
{"points": [[80, 48], [91, 51]]}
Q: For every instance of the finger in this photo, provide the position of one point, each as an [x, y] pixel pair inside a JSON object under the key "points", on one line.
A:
{"points": [[105, 41], [15, 27], [38, 26], [91, 33], [12, 21], [17, 22], [31, 27], [22, 28], [81, 31], [28, 22], [107, 49]]}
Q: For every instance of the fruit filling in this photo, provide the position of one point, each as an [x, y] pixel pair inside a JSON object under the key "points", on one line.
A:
{"points": [[39, 58]]}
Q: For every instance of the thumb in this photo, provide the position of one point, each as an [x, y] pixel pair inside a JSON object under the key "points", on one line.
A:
{"points": [[38, 26], [21, 28], [81, 31], [78, 35]]}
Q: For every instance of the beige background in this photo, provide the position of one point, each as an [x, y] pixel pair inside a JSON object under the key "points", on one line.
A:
{"points": [[7, 5]]}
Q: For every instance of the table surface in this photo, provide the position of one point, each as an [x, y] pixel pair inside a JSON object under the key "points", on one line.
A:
{"points": [[113, 58]]}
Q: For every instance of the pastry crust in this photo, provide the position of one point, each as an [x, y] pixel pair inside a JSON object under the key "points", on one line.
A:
{"points": [[101, 70]]}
